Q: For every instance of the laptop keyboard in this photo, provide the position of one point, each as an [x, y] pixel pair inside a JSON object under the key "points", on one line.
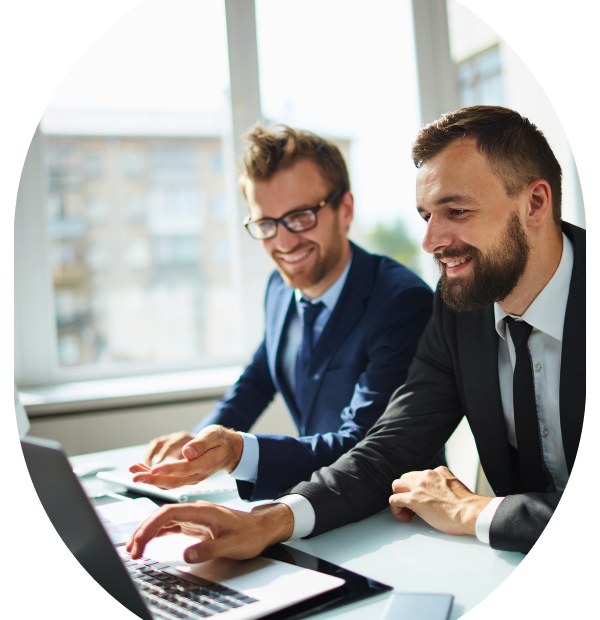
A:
{"points": [[169, 597]]}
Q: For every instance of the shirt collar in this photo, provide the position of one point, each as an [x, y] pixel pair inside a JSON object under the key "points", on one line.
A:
{"points": [[332, 294], [547, 311]]}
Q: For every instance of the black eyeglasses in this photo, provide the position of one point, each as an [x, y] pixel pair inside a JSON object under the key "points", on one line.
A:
{"points": [[295, 222]]}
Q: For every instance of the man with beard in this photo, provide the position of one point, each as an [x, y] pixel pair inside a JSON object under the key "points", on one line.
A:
{"points": [[342, 327], [505, 348]]}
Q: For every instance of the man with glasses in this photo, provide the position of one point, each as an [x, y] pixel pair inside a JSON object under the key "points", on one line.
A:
{"points": [[342, 327]]}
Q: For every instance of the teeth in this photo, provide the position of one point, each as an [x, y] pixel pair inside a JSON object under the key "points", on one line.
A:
{"points": [[459, 261], [294, 257]]}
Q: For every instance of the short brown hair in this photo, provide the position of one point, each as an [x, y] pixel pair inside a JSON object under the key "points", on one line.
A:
{"points": [[515, 148], [276, 148]]}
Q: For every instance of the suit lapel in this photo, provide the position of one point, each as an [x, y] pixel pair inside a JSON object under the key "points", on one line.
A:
{"points": [[279, 302], [572, 367], [477, 342]]}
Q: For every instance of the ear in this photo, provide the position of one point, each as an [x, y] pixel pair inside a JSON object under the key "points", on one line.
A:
{"points": [[346, 210], [539, 206]]}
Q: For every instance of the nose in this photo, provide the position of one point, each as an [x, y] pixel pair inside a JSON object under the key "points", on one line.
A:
{"points": [[285, 240], [437, 236]]}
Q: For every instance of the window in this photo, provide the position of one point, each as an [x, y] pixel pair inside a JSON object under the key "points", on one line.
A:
{"points": [[218, 207], [134, 235], [356, 85], [132, 164], [491, 73], [480, 79], [137, 195]]}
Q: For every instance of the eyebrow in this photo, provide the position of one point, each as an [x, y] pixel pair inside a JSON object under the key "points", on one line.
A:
{"points": [[303, 207], [294, 210], [458, 198]]}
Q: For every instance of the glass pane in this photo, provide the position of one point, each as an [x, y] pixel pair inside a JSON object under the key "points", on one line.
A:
{"points": [[347, 70], [137, 194], [490, 73]]}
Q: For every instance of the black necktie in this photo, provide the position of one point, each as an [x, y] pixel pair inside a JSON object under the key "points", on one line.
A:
{"points": [[531, 463], [308, 315]]}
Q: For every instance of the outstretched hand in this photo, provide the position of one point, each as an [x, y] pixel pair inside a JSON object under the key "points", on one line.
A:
{"points": [[223, 532], [167, 445], [214, 449], [439, 498]]}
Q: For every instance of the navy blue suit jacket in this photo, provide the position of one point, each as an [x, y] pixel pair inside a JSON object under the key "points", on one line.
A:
{"points": [[362, 356]]}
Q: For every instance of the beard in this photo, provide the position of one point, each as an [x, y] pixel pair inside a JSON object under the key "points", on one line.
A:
{"points": [[495, 274], [325, 260]]}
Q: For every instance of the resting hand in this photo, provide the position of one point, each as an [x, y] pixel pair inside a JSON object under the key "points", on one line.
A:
{"points": [[224, 533], [167, 445], [439, 498], [214, 449]]}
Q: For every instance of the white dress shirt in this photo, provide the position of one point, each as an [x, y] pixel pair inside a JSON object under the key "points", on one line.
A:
{"points": [[547, 316], [247, 468]]}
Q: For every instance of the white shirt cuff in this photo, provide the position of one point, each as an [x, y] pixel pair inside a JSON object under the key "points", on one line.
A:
{"points": [[484, 520], [247, 468], [304, 515]]}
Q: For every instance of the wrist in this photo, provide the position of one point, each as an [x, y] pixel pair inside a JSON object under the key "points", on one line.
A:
{"points": [[236, 449], [471, 510], [276, 521]]}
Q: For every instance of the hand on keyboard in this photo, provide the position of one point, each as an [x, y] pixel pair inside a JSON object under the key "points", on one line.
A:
{"points": [[223, 533]]}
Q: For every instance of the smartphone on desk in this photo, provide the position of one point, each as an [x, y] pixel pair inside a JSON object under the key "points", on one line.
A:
{"points": [[412, 606]]}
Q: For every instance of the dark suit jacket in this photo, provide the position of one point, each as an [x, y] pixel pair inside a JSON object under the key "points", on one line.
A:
{"points": [[455, 374], [362, 356]]}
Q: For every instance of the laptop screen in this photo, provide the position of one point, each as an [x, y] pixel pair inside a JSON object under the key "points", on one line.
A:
{"points": [[76, 521]]}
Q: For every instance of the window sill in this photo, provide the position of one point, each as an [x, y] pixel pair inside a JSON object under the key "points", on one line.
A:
{"points": [[103, 394]]}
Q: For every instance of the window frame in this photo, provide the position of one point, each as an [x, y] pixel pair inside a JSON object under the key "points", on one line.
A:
{"points": [[35, 353]]}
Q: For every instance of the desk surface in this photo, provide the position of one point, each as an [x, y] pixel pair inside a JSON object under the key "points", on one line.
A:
{"points": [[410, 557]]}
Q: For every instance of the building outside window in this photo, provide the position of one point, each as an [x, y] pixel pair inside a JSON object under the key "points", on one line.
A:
{"points": [[137, 236], [480, 79], [491, 73]]}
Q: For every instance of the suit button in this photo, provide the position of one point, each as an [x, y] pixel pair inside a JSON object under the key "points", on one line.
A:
{"points": [[317, 377]]}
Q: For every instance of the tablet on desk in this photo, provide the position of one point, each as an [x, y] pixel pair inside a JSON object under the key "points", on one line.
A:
{"points": [[405, 606], [221, 482]]}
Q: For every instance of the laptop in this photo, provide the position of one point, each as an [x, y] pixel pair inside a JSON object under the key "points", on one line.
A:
{"points": [[163, 586]]}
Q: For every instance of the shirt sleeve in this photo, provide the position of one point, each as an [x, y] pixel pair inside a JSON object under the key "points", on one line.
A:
{"points": [[247, 468], [304, 515], [484, 520]]}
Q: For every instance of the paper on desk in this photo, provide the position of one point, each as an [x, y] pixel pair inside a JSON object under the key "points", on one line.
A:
{"points": [[121, 518]]}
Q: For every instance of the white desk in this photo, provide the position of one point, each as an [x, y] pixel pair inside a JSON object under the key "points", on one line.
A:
{"points": [[410, 557]]}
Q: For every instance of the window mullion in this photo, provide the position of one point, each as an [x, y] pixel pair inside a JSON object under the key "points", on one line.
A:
{"points": [[245, 112], [35, 330]]}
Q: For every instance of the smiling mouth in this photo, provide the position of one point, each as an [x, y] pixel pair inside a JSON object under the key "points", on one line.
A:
{"points": [[296, 257], [458, 261]]}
